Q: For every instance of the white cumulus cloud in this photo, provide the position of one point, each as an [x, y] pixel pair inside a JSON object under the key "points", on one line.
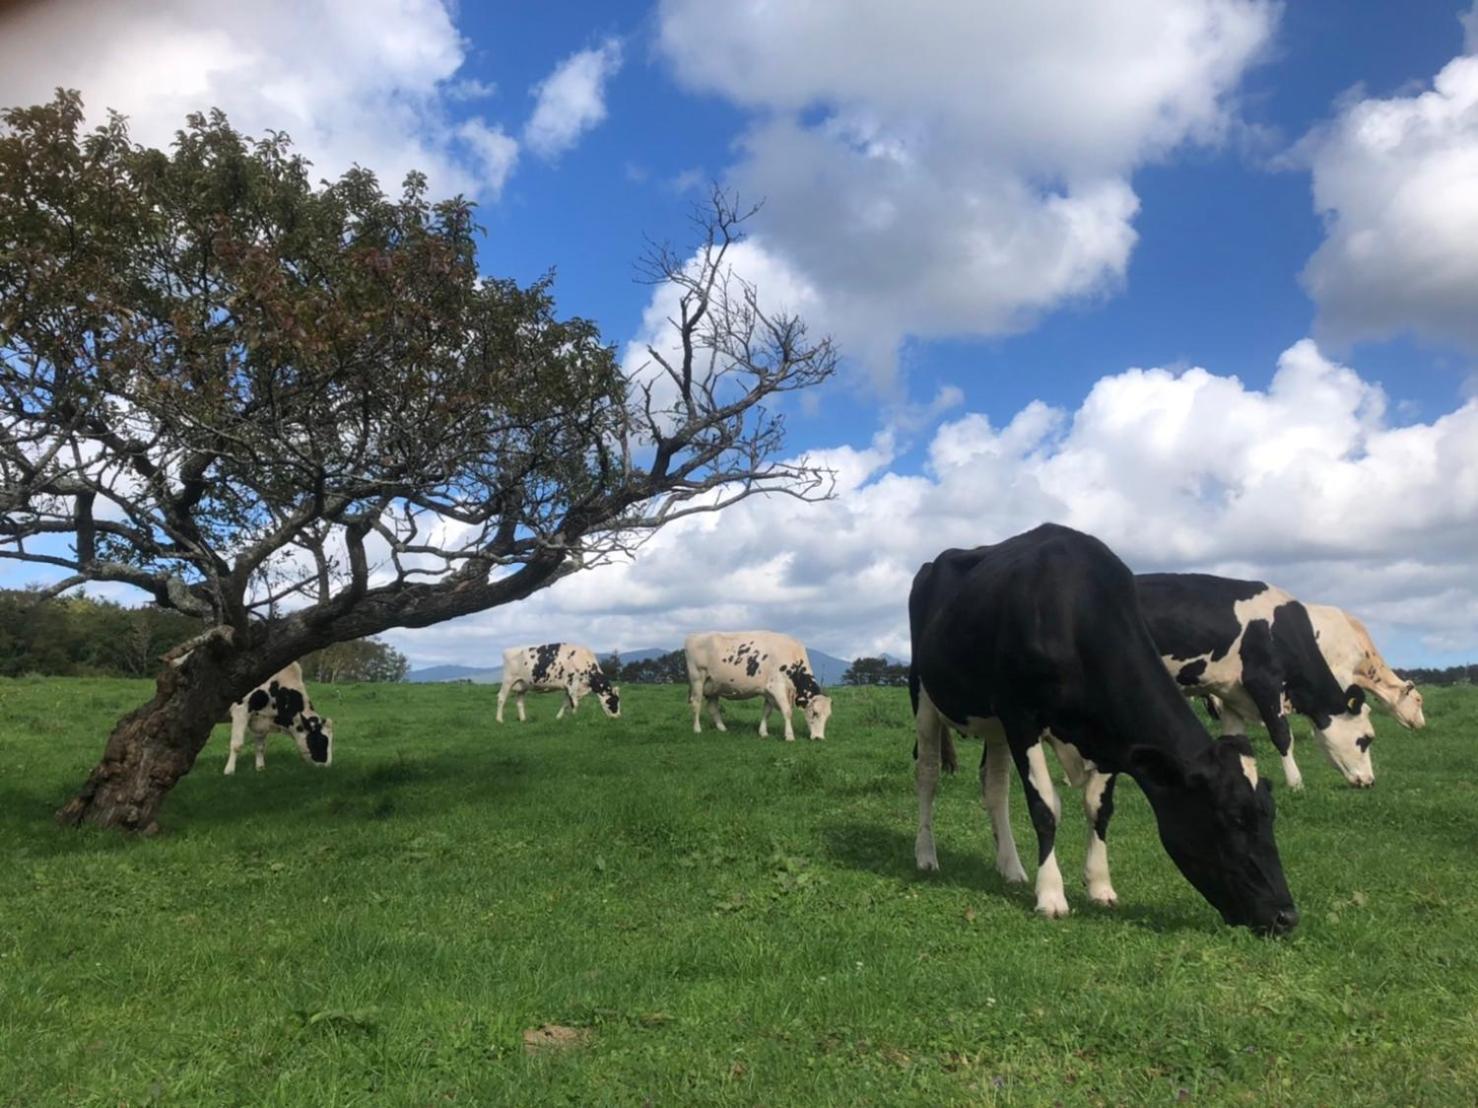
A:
{"points": [[1306, 483], [1396, 181], [959, 168], [369, 82], [572, 99]]}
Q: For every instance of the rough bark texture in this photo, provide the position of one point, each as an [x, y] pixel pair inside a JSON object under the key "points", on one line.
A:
{"points": [[157, 743], [149, 750]]}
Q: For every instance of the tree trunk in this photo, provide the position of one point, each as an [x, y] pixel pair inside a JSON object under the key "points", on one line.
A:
{"points": [[153, 746]]}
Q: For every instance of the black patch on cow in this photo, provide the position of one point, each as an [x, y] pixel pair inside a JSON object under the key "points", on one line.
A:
{"points": [[257, 700], [1043, 821], [544, 658], [315, 738], [287, 704], [1105, 810], [1191, 615], [1190, 675], [742, 649], [802, 681], [751, 665], [597, 681], [1209, 703], [1306, 677], [1364, 742]]}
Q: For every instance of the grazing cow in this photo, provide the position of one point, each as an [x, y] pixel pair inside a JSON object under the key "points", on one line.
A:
{"points": [[1253, 647], [1347, 647], [738, 665], [556, 667], [281, 704], [1042, 634]]}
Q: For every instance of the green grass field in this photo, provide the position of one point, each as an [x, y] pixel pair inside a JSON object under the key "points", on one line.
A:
{"points": [[725, 920]]}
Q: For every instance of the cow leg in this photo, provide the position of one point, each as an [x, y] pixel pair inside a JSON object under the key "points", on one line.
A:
{"points": [[238, 740], [1042, 802], [995, 796], [568, 702], [1098, 807], [261, 743], [718, 720], [780, 693], [502, 699], [1270, 707], [522, 718], [930, 731], [695, 701], [1075, 769], [765, 716]]}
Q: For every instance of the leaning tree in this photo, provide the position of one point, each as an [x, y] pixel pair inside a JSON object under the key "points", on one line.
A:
{"points": [[299, 414]]}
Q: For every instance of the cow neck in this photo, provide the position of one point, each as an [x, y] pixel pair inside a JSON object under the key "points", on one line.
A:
{"points": [[1147, 709]]}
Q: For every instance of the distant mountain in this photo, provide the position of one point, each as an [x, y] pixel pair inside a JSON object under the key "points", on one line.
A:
{"points": [[455, 673], [828, 668]]}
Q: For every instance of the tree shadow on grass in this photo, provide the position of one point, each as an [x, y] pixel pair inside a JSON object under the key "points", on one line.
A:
{"points": [[888, 852], [288, 792]]}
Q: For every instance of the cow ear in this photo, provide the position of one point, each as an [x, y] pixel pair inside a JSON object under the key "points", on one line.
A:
{"points": [[1354, 699], [1149, 764]]}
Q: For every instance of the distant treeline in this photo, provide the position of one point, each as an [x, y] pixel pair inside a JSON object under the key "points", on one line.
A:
{"points": [[665, 669], [1452, 675], [875, 671], [81, 636]]}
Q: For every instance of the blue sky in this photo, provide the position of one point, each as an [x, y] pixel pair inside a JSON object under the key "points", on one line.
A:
{"points": [[1196, 275], [1213, 279]]}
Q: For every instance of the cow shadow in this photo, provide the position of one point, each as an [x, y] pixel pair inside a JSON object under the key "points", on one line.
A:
{"points": [[888, 852]]}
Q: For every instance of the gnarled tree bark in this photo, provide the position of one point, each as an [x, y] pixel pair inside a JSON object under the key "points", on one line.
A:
{"points": [[155, 745]]}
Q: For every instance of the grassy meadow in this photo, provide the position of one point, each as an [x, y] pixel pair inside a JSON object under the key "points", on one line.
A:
{"points": [[714, 920]]}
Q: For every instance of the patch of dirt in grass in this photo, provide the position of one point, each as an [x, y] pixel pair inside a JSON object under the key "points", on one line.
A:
{"points": [[551, 1038]]}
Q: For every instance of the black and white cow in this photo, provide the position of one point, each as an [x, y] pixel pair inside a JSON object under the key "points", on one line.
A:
{"points": [[1254, 648], [281, 704], [739, 665], [556, 667], [1042, 634]]}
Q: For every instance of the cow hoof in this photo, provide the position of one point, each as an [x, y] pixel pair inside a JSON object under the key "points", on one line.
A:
{"points": [[230, 771], [1012, 875], [927, 865], [1053, 909], [1109, 899], [1296, 784]]}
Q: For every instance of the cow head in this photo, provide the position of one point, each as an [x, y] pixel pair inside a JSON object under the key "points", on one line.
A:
{"points": [[1216, 820], [608, 694], [1407, 706], [314, 735], [818, 711], [1346, 736]]}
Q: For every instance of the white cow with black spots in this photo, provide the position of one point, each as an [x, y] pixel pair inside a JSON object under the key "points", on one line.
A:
{"points": [[281, 704], [740, 665], [556, 667]]}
